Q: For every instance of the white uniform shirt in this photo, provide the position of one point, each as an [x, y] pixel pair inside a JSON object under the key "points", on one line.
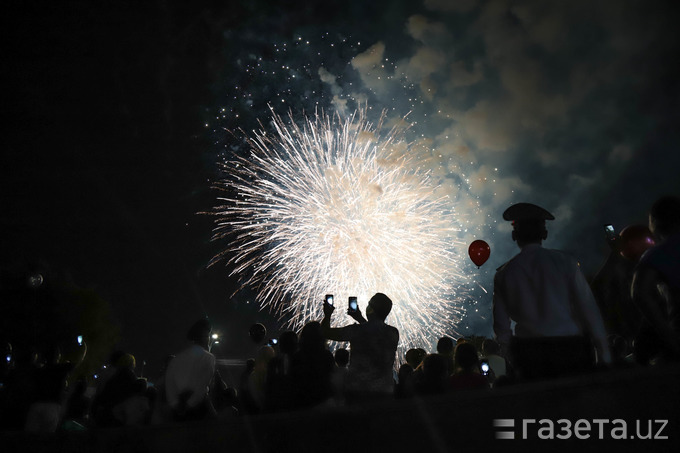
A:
{"points": [[546, 294], [192, 369]]}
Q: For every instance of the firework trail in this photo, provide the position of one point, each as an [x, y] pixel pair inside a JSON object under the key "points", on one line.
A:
{"points": [[333, 207]]}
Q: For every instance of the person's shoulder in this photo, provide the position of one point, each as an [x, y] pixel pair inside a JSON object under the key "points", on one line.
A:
{"points": [[209, 357], [669, 249], [393, 332], [505, 266], [502, 267], [514, 261], [384, 326]]}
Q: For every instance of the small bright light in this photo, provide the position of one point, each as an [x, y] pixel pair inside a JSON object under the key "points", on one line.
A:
{"points": [[215, 336]]}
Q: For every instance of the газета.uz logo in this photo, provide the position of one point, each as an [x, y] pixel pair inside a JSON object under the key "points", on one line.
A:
{"points": [[597, 428]]}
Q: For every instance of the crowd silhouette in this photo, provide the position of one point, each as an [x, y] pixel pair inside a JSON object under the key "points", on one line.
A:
{"points": [[561, 329]]}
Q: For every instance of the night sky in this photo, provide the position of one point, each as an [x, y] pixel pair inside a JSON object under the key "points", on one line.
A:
{"points": [[114, 116]]}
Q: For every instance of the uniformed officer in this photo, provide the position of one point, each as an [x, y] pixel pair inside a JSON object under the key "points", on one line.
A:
{"points": [[548, 297]]}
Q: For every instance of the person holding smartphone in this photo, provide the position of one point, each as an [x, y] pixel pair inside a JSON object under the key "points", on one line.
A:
{"points": [[373, 345]]}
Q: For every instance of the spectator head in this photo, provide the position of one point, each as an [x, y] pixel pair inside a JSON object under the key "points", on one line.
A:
{"points": [[528, 222], [529, 232], [445, 346], [664, 216], [490, 347], [434, 367], [288, 342], [378, 307], [341, 357], [140, 386], [126, 361], [405, 372], [199, 333], [114, 356], [257, 332], [618, 346], [311, 338], [466, 357], [415, 356]]}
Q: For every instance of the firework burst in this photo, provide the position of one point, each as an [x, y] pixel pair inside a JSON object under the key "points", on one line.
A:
{"points": [[332, 206]]}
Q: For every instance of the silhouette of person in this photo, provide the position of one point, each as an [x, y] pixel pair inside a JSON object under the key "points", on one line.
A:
{"points": [[406, 386], [280, 390], [611, 288], [255, 393], [445, 349], [414, 357], [123, 384], [491, 351], [548, 297], [467, 374], [373, 345], [312, 367], [434, 374], [339, 377], [45, 413], [127, 394], [189, 375], [656, 282]]}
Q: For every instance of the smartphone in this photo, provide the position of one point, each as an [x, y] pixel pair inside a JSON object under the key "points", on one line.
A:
{"points": [[610, 233], [80, 340], [484, 365], [329, 299], [353, 305]]}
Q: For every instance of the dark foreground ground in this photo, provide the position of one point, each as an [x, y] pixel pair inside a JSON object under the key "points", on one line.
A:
{"points": [[646, 400]]}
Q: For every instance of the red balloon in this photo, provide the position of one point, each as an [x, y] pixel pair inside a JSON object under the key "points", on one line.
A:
{"points": [[635, 240], [479, 252]]}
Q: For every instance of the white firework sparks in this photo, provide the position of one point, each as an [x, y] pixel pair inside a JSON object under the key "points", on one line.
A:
{"points": [[334, 208]]}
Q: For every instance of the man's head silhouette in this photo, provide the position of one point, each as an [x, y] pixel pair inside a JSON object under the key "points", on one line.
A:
{"points": [[664, 217], [199, 333], [378, 307], [528, 222]]}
